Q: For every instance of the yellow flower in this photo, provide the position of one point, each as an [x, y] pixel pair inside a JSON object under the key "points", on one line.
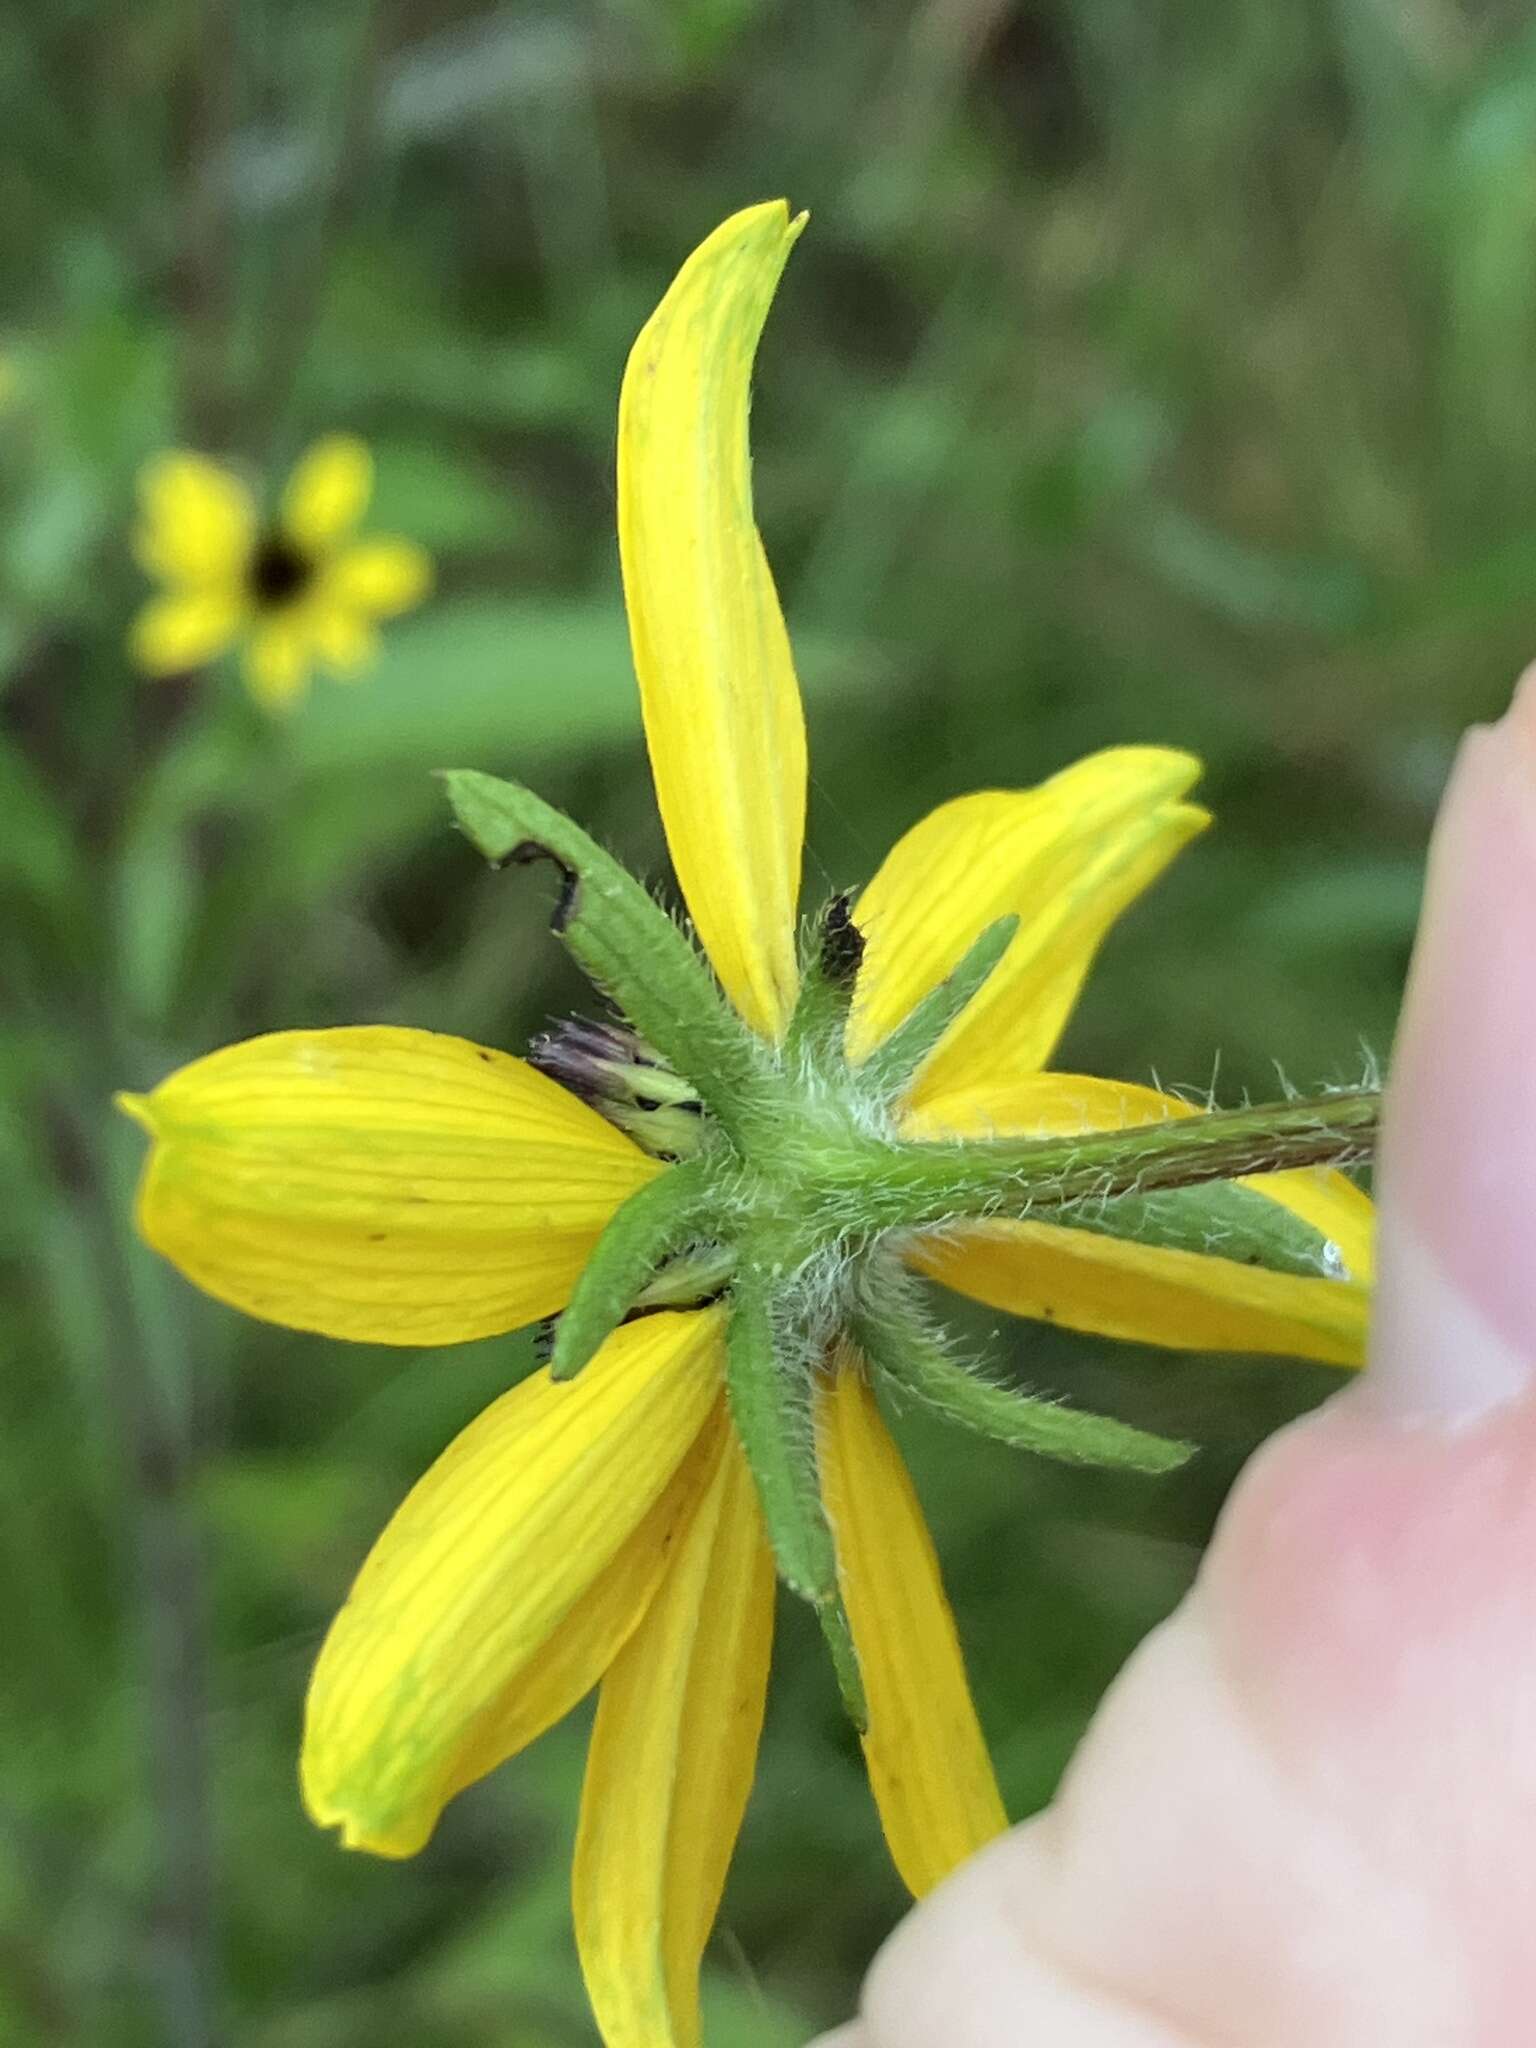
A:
{"points": [[299, 591], [401, 1187]]}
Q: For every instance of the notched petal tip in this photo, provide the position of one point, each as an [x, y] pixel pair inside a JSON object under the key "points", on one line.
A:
{"points": [[395, 1841], [140, 1108]]}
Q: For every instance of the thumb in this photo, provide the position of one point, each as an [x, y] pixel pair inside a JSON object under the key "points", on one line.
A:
{"points": [[1455, 1317], [1305, 1810]]}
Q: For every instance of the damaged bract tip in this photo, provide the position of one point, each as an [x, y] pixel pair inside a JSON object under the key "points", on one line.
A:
{"points": [[567, 902]]}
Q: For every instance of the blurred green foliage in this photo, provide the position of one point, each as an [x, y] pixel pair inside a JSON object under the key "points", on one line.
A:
{"points": [[1153, 369]]}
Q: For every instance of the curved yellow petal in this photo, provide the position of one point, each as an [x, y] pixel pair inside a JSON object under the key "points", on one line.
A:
{"points": [[197, 521], [489, 1553], [1065, 858], [581, 1648], [327, 493], [717, 683], [669, 1770], [380, 577], [928, 1763], [184, 629], [1057, 1105], [278, 656], [399, 1187]]}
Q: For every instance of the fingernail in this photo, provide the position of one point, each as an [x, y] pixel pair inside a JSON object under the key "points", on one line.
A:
{"points": [[1455, 1326]]}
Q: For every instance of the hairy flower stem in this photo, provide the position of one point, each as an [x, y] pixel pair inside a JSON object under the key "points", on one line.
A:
{"points": [[921, 1184]]}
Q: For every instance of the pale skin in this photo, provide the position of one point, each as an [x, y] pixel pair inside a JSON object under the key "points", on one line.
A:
{"points": [[1305, 1816]]}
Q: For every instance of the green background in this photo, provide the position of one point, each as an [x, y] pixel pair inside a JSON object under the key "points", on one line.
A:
{"points": [[1148, 372]]}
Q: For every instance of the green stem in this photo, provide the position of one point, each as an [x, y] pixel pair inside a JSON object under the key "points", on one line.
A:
{"points": [[914, 1184]]}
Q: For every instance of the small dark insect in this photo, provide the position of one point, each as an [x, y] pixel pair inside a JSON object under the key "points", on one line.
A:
{"points": [[842, 943]]}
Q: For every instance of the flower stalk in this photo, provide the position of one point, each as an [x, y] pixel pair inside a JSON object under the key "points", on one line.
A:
{"points": [[922, 1183]]}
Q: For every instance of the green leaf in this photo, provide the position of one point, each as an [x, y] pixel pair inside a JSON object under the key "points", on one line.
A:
{"points": [[479, 680], [442, 500], [503, 683]]}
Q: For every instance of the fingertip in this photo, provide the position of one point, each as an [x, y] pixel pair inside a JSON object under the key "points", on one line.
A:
{"points": [[1456, 1313], [1520, 719], [970, 1968]]}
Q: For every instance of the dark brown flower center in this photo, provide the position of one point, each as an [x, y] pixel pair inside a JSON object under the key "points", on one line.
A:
{"points": [[279, 571]]}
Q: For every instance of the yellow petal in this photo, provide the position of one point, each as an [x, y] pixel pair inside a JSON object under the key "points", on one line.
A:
{"points": [[489, 1553], [928, 1763], [399, 1187], [380, 577], [277, 660], [197, 522], [1058, 1105], [345, 640], [327, 493], [1150, 1296], [669, 1771], [1066, 858], [185, 629], [584, 1645], [717, 683]]}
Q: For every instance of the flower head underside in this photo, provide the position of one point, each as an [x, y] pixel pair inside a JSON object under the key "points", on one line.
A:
{"points": [[732, 1192]]}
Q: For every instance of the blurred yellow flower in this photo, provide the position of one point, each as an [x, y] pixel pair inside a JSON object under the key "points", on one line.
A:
{"points": [[299, 591], [405, 1187]]}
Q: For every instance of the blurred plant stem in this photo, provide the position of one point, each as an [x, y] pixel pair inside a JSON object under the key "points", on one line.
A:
{"points": [[147, 1386], [207, 285], [300, 288]]}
